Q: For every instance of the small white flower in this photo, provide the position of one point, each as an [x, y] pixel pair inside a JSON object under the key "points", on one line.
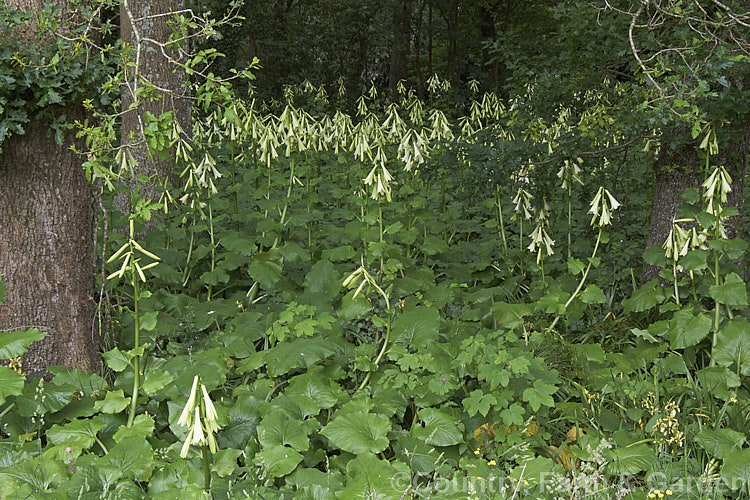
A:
{"points": [[187, 411], [198, 437], [211, 414]]}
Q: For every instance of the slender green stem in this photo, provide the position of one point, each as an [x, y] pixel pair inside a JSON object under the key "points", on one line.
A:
{"points": [[382, 350], [580, 284], [310, 221], [442, 203], [186, 272], [570, 216], [499, 206], [137, 343], [717, 313], [204, 450], [206, 468], [676, 288], [213, 242], [101, 445], [286, 203], [541, 267], [6, 410], [380, 227], [234, 182]]}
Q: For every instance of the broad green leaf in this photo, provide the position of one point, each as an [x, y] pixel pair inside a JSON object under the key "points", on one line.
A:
{"points": [[155, 380], [354, 309], [686, 329], [303, 477], [719, 443], [50, 397], [277, 430], [86, 383], [513, 415], [736, 470], [734, 249], [417, 328], [323, 278], [421, 457], [225, 462], [510, 315], [132, 457], [215, 277], [369, 477], [114, 402], [393, 228], [733, 292], [143, 427], [540, 394], [718, 381], [11, 383], [593, 295], [552, 302], [2, 292], [733, 345], [339, 254], [292, 252], [14, 344], [575, 266], [314, 384], [643, 299], [79, 433], [535, 471], [265, 268], [148, 321], [432, 246], [39, 474], [358, 432], [116, 359], [478, 402], [243, 421], [695, 260], [631, 460], [438, 428], [278, 461], [299, 353], [237, 243]]}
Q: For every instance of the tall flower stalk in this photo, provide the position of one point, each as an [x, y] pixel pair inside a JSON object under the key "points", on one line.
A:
{"points": [[131, 266]]}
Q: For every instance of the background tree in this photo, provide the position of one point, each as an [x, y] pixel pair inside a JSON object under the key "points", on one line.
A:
{"points": [[45, 198], [693, 60], [155, 83]]}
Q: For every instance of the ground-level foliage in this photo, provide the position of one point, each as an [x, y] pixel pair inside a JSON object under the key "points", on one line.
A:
{"points": [[414, 301]]}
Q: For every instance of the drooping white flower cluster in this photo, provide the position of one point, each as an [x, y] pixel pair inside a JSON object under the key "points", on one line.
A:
{"points": [[200, 417]]}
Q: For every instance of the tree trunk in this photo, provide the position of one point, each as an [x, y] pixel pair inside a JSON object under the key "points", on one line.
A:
{"points": [[143, 25], [679, 168], [46, 245], [488, 32], [399, 68], [46, 249]]}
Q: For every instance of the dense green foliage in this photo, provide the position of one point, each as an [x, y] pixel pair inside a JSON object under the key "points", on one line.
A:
{"points": [[406, 297]]}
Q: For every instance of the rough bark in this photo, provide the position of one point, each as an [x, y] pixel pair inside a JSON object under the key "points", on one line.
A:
{"points": [[679, 168], [399, 66], [46, 244], [143, 25], [46, 249]]}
